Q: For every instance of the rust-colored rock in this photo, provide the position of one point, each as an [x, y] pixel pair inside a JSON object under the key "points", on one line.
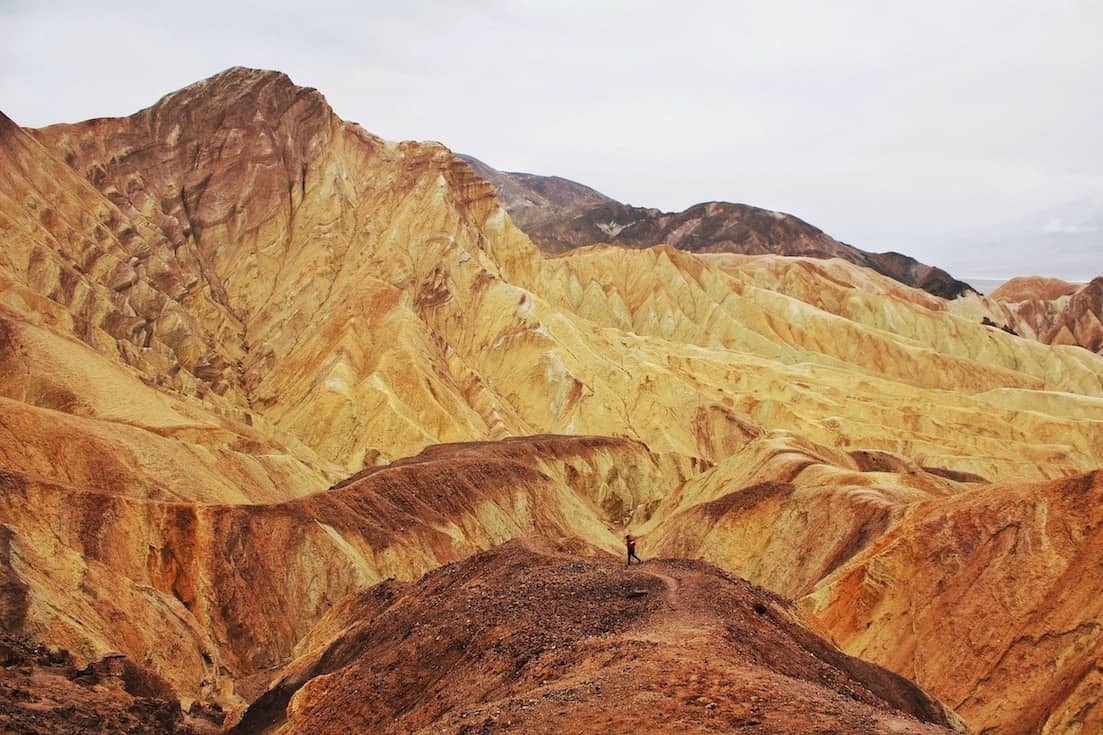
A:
{"points": [[1080, 322], [43, 693], [983, 594], [1032, 288], [530, 637], [1057, 312], [209, 595], [984, 599]]}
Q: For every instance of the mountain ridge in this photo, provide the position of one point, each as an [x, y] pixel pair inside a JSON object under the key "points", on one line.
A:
{"points": [[672, 641], [255, 359], [581, 216]]}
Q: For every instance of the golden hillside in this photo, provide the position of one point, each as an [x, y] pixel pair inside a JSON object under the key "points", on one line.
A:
{"points": [[217, 309]]}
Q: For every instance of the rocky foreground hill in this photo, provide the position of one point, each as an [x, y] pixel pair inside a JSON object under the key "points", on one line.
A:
{"points": [[543, 637], [255, 362]]}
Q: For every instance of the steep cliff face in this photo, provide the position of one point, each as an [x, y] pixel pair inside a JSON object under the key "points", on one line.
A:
{"points": [[983, 599], [561, 215]]}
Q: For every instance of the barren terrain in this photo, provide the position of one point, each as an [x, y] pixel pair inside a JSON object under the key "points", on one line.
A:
{"points": [[261, 371]]}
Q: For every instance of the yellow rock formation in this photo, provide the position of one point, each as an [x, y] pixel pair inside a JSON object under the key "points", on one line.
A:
{"points": [[219, 307]]}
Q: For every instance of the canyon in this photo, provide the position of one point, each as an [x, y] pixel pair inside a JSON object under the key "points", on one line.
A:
{"points": [[282, 401]]}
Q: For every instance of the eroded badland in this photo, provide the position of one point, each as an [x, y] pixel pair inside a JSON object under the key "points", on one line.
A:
{"points": [[298, 422]]}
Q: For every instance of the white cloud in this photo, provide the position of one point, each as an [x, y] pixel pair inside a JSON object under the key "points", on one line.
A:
{"points": [[1060, 227]]}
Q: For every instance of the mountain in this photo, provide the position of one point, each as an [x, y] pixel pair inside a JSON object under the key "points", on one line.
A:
{"points": [[255, 361], [905, 565], [668, 642], [1056, 311], [1033, 288], [1022, 675], [560, 215]]}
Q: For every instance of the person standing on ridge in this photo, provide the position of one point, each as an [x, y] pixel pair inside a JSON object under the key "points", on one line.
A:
{"points": [[630, 543]]}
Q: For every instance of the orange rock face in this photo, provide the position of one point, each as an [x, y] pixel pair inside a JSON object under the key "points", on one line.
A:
{"points": [[982, 599], [1033, 288], [1059, 313], [973, 590], [255, 360], [204, 595]]}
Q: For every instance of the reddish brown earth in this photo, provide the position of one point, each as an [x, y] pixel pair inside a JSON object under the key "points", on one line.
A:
{"points": [[561, 215], [1081, 321], [208, 595], [1028, 288], [43, 693], [1059, 313], [536, 637], [988, 598]]}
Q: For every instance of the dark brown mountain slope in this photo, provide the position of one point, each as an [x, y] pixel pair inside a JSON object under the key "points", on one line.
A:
{"points": [[560, 215], [206, 596], [42, 692], [535, 637]]}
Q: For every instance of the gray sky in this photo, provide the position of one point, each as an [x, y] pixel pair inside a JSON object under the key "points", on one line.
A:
{"points": [[891, 125]]}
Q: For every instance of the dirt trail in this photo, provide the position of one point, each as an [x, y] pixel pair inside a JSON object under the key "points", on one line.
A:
{"points": [[672, 584]]}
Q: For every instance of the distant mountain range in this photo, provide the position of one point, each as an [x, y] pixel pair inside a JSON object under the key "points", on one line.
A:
{"points": [[560, 215]]}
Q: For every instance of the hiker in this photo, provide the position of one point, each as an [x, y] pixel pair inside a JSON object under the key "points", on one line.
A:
{"points": [[630, 542]]}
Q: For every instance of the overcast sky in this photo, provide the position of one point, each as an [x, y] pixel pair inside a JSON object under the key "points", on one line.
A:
{"points": [[891, 125]]}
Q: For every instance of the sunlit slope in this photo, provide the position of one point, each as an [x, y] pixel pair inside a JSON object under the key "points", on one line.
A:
{"points": [[367, 299], [783, 363], [786, 512], [802, 313]]}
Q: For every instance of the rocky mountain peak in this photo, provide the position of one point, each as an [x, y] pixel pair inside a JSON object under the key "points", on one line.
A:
{"points": [[561, 215]]}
